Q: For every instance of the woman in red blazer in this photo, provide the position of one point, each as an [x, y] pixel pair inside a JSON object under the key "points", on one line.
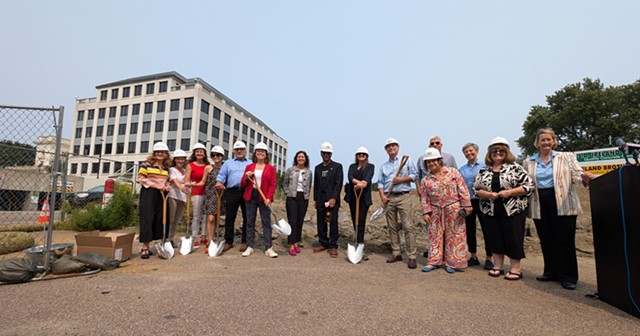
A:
{"points": [[264, 175]]}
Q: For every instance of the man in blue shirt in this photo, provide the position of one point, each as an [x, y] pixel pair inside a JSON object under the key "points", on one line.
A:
{"points": [[469, 171], [398, 202], [229, 178]]}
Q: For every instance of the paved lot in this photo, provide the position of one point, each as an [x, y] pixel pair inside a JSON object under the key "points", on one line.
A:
{"points": [[310, 294]]}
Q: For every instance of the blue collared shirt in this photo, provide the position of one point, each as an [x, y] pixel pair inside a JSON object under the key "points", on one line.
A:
{"points": [[544, 172], [388, 171], [469, 173], [232, 171]]}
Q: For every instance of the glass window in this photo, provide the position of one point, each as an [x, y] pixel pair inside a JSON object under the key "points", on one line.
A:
{"points": [[114, 93], [162, 87], [117, 167], [124, 109], [144, 146], [185, 143], [204, 126], [110, 130], [252, 133], [137, 90], [133, 129], [78, 132], [74, 168], [225, 136], [108, 148], [188, 103], [112, 112], [171, 144], [99, 131], [216, 113], [83, 168], [227, 119], [186, 124], [87, 133], [120, 148], [244, 129], [160, 106], [103, 95], [215, 132], [148, 107], [146, 127], [81, 115], [95, 166], [173, 125], [107, 165], [236, 125], [135, 109], [159, 125], [85, 150], [151, 87], [90, 115], [175, 105], [204, 107], [76, 150], [122, 129], [125, 92], [132, 147], [101, 112]]}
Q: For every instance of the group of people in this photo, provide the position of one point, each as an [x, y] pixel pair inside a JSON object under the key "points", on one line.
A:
{"points": [[497, 191]]}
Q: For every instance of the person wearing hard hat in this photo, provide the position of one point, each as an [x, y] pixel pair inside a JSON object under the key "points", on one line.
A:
{"points": [[178, 193], [153, 176], [445, 202], [262, 175], [229, 178], [297, 186], [194, 177], [359, 178], [327, 185], [504, 188], [447, 159], [469, 171], [398, 202], [210, 205]]}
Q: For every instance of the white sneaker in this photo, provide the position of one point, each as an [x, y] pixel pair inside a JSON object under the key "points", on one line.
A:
{"points": [[271, 253], [247, 252]]}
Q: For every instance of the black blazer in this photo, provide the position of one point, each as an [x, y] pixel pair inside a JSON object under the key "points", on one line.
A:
{"points": [[328, 187], [365, 174]]}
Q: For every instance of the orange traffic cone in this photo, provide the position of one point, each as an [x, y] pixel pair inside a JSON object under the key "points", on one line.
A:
{"points": [[44, 213]]}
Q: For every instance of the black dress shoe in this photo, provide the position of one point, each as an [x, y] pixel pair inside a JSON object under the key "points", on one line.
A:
{"points": [[545, 278], [488, 265], [393, 259], [412, 264], [473, 262], [568, 285]]}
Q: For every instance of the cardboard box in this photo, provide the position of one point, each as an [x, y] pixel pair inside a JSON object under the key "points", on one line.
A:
{"points": [[117, 245]]}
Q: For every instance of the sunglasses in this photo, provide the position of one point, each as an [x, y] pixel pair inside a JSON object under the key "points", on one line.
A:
{"points": [[434, 143], [362, 154], [216, 155], [499, 151]]}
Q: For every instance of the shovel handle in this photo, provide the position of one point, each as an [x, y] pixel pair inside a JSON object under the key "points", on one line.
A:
{"points": [[188, 211], [255, 185], [403, 161], [358, 193], [219, 193]]}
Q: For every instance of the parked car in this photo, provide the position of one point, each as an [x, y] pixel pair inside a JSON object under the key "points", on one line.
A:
{"points": [[82, 198]]}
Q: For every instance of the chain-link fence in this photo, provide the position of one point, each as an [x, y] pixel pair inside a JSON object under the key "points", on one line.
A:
{"points": [[30, 169]]}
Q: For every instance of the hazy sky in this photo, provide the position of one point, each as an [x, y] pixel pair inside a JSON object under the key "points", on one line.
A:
{"points": [[350, 72]]}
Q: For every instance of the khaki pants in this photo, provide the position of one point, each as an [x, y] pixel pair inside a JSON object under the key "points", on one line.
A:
{"points": [[398, 210]]}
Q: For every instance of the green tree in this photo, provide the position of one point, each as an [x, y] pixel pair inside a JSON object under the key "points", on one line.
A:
{"points": [[585, 115], [13, 153]]}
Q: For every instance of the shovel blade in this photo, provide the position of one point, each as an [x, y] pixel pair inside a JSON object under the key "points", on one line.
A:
{"points": [[355, 254], [186, 245], [377, 214], [282, 227], [169, 249], [162, 253], [215, 249]]}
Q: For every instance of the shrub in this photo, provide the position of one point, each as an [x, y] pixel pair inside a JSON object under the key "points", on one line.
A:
{"points": [[121, 212]]}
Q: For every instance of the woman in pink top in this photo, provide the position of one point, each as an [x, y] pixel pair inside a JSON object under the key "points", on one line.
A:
{"points": [[193, 178]]}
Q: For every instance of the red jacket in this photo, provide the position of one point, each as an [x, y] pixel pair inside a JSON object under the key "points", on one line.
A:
{"points": [[267, 185]]}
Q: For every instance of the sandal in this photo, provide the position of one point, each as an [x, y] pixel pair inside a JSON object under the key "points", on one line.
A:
{"points": [[517, 276], [496, 272], [450, 270], [144, 253], [428, 268]]}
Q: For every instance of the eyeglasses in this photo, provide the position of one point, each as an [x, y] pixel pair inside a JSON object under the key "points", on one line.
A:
{"points": [[498, 151], [362, 154], [216, 155], [239, 149], [325, 153], [434, 143]]}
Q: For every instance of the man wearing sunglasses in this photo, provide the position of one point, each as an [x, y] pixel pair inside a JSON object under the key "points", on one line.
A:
{"points": [[229, 178]]}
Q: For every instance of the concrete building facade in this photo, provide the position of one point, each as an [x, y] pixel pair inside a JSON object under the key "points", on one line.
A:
{"points": [[116, 130]]}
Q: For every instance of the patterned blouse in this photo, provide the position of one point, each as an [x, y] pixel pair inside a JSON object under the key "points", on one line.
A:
{"points": [[445, 189], [149, 175], [511, 176]]}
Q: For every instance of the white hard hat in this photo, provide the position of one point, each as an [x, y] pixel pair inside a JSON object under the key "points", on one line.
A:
{"points": [[362, 149], [160, 146], [498, 141], [431, 154], [217, 149], [263, 146], [179, 153], [391, 141], [198, 146], [239, 145], [326, 147]]}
